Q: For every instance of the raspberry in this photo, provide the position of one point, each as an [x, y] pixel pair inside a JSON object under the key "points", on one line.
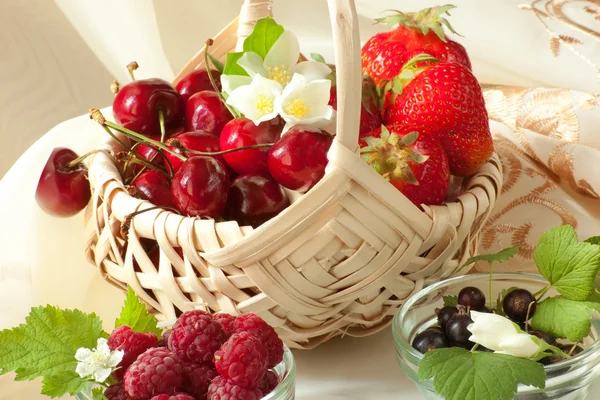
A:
{"points": [[264, 332], [132, 343], [223, 389], [197, 378], [164, 340], [157, 370], [177, 396], [269, 382], [243, 360], [196, 336], [226, 320], [116, 392]]}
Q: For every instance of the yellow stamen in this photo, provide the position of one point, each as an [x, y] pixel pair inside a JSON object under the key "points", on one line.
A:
{"points": [[264, 105], [280, 74], [297, 108]]}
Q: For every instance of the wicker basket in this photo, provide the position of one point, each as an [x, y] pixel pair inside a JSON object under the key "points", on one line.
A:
{"points": [[340, 260]]}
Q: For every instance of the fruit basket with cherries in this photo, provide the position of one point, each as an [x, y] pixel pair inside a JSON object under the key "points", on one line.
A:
{"points": [[317, 196]]}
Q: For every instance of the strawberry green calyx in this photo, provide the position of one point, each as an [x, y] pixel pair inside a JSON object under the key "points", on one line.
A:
{"points": [[390, 155], [425, 20]]}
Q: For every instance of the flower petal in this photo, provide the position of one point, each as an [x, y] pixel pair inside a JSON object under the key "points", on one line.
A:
{"points": [[231, 82], [490, 329], [519, 345], [312, 70], [115, 358], [257, 100], [285, 52], [84, 369], [101, 374], [83, 354], [252, 64]]}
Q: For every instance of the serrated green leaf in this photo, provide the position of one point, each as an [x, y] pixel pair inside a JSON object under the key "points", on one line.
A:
{"points": [[450, 301], [265, 33], [135, 314], [568, 265], [231, 65], [45, 345], [216, 62], [317, 57], [68, 382], [500, 300], [501, 256], [98, 394], [593, 240], [459, 374], [563, 318]]}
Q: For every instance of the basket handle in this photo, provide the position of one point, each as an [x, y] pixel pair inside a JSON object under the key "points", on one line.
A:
{"points": [[346, 44]]}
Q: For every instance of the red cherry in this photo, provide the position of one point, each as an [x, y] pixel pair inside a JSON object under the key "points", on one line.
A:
{"points": [[154, 187], [136, 106], [149, 153], [242, 132], [63, 191], [200, 187], [199, 141], [254, 199], [205, 111], [197, 81], [298, 160]]}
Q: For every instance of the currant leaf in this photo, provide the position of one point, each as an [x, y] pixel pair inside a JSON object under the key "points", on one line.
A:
{"points": [[564, 318], [136, 316], [450, 301], [501, 256]]}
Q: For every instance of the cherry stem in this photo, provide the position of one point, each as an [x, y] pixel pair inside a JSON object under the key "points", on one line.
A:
{"points": [[126, 224], [130, 157], [132, 66], [161, 121], [211, 78], [218, 153], [78, 160], [115, 87]]}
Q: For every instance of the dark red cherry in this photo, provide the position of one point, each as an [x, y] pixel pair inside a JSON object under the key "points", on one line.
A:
{"points": [[136, 106], [242, 132], [199, 141], [298, 160], [149, 153], [200, 187], [155, 187], [197, 81], [62, 191], [254, 199], [205, 111]]}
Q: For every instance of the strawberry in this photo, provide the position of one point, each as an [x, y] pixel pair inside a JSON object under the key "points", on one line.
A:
{"points": [[370, 116], [384, 54], [415, 163], [445, 99]]}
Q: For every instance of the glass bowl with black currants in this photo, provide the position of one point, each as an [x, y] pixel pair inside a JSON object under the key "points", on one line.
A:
{"points": [[438, 316]]}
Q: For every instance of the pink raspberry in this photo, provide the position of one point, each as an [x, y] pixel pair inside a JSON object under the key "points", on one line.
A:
{"points": [[226, 320], [264, 332], [269, 382], [223, 389], [116, 392], [243, 360], [164, 340], [157, 370], [197, 378], [177, 396], [132, 343], [196, 336]]}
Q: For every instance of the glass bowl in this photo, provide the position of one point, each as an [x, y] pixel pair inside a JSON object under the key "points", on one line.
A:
{"points": [[286, 390], [569, 379]]}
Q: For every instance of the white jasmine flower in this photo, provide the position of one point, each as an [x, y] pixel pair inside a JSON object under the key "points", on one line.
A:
{"points": [[256, 100], [99, 362]]}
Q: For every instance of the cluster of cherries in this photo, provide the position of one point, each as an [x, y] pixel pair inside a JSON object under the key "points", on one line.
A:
{"points": [[192, 155], [518, 305]]}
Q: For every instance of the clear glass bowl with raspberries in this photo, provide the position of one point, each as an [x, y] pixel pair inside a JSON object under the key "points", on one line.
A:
{"points": [[570, 379], [202, 356]]}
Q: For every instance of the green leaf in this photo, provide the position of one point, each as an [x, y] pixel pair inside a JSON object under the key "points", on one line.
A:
{"points": [[265, 34], [500, 300], [45, 345], [450, 301], [593, 240], [216, 62], [568, 265], [98, 394], [135, 314], [68, 382], [317, 57], [563, 318], [501, 256], [231, 65], [459, 374]]}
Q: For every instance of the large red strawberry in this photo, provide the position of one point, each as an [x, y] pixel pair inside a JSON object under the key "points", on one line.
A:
{"points": [[415, 163], [446, 100], [384, 54]]}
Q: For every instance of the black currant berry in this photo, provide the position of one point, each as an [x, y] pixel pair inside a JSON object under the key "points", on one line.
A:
{"points": [[546, 337], [429, 339], [444, 314], [457, 332], [472, 298], [516, 305]]}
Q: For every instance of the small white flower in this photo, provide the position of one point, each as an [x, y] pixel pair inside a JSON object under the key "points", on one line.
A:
{"points": [[520, 345], [305, 103], [256, 100], [98, 363]]}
